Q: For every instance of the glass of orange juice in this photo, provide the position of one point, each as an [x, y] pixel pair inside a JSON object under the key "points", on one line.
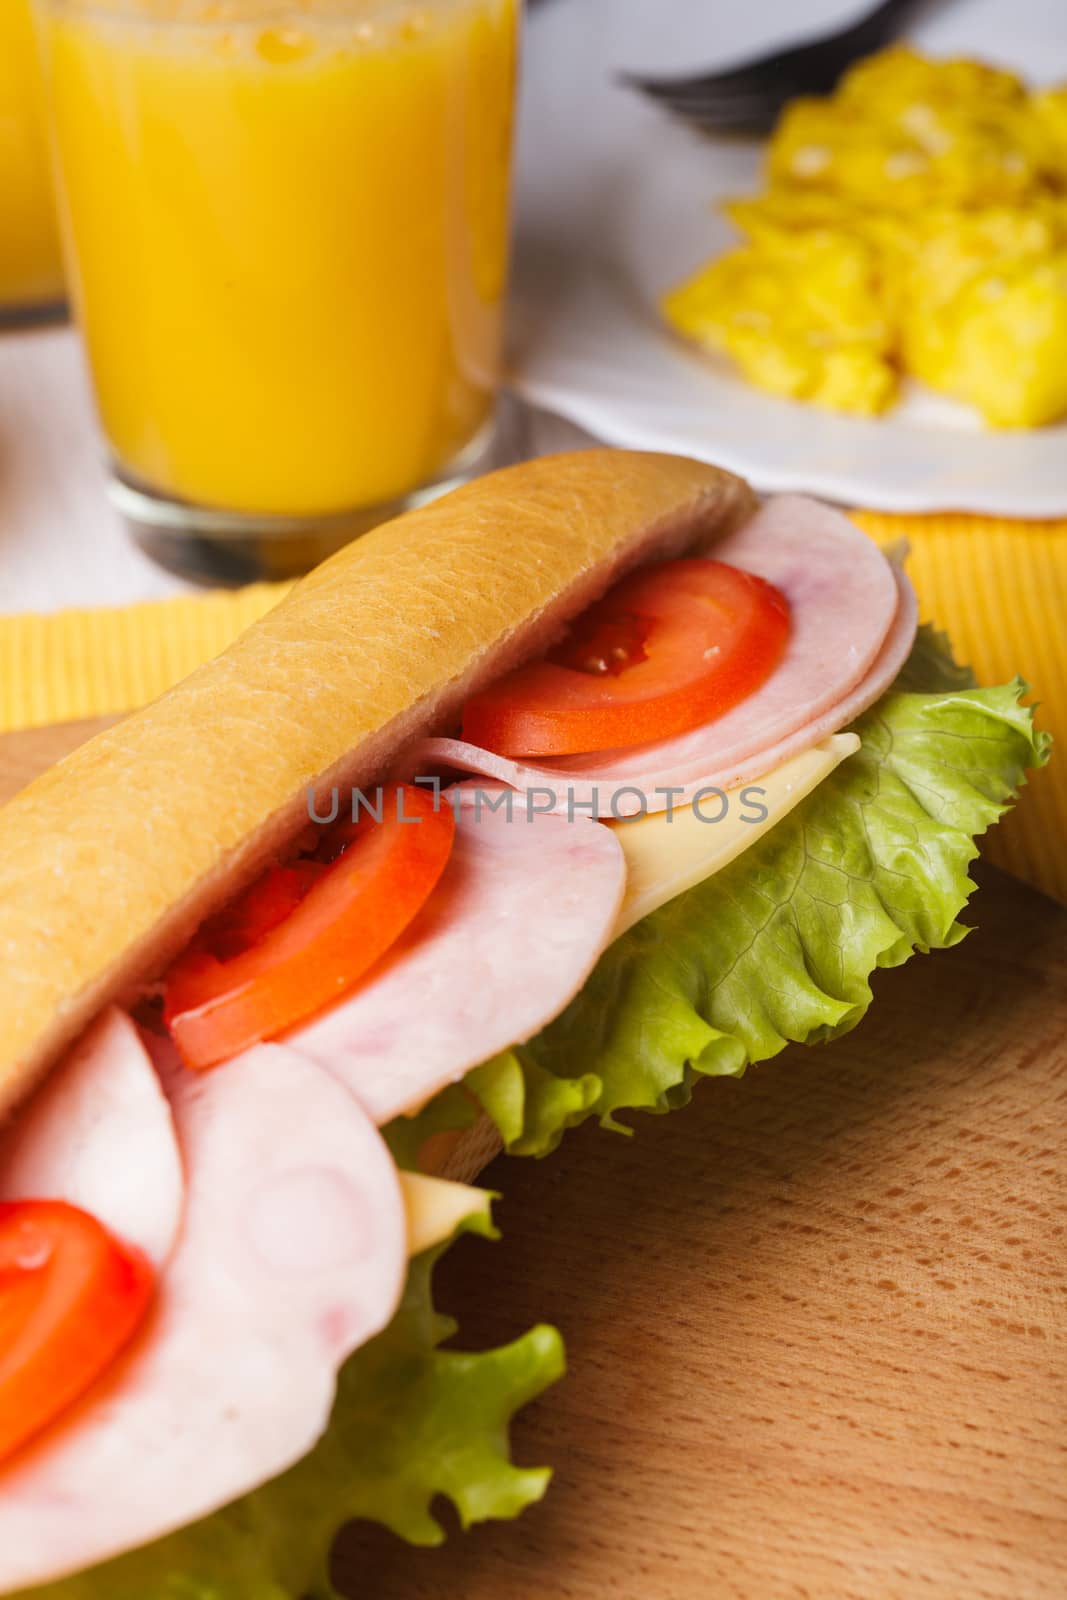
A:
{"points": [[31, 270], [287, 224]]}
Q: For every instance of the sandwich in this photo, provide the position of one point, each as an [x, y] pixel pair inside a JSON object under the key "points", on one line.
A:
{"points": [[544, 802]]}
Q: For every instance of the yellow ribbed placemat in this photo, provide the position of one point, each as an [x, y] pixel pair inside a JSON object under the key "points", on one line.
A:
{"points": [[77, 663], [998, 587]]}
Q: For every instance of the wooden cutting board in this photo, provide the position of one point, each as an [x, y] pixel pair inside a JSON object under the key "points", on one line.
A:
{"points": [[816, 1321]]}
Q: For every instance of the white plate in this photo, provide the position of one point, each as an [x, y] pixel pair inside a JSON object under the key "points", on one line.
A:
{"points": [[617, 203]]}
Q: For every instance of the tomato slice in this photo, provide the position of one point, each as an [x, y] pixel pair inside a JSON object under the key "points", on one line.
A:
{"points": [[345, 917], [253, 914], [71, 1296], [666, 650]]}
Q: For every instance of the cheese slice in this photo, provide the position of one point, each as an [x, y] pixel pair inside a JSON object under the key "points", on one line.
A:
{"points": [[668, 852], [435, 1208]]}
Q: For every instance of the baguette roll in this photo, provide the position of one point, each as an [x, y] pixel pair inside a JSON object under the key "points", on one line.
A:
{"points": [[110, 861]]}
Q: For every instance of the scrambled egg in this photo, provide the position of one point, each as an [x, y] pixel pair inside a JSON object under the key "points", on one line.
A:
{"points": [[914, 222]]}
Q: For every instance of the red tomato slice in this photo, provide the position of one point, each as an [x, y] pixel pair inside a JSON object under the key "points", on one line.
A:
{"points": [[341, 925], [267, 903], [71, 1296], [666, 650]]}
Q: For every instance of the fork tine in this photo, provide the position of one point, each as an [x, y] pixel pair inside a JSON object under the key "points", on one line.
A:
{"points": [[757, 86], [724, 110], [757, 110], [754, 72], [696, 93], [755, 124], [702, 83], [756, 119], [758, 94]]}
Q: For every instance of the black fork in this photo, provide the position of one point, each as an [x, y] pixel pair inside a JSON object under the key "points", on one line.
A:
{"points": [[748, 99]]}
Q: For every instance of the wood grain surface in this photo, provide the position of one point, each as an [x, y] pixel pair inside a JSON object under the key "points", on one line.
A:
{"points": [[815, 1322]]}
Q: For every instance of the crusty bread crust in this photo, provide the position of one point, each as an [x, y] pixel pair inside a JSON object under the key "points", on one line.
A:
{"points": [[109, 861]]}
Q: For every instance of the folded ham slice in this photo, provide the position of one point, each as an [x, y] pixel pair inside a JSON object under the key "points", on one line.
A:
{"points": [[618, 793], [508, 937], [100, 1135], [853, 621], [292, 1253]]}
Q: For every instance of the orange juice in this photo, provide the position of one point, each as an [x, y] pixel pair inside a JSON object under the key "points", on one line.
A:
{"points": [[289, 237], [31, 272]]}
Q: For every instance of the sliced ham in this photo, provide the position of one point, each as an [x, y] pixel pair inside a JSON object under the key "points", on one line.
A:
{"points": [[100, 1135], [292, 1254], [507, 939], [848, 605], [625, 785]]}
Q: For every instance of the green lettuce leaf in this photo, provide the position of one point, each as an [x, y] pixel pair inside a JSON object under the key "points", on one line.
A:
{"points": [[411, 1421], [780, 945], [931, 666]]}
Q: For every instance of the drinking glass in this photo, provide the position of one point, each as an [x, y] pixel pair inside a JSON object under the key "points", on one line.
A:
{"points": [[287, 232], [31, 268]]}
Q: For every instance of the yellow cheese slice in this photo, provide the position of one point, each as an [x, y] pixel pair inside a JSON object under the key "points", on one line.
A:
{"points": [[435, 1208], [669, 853]]}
